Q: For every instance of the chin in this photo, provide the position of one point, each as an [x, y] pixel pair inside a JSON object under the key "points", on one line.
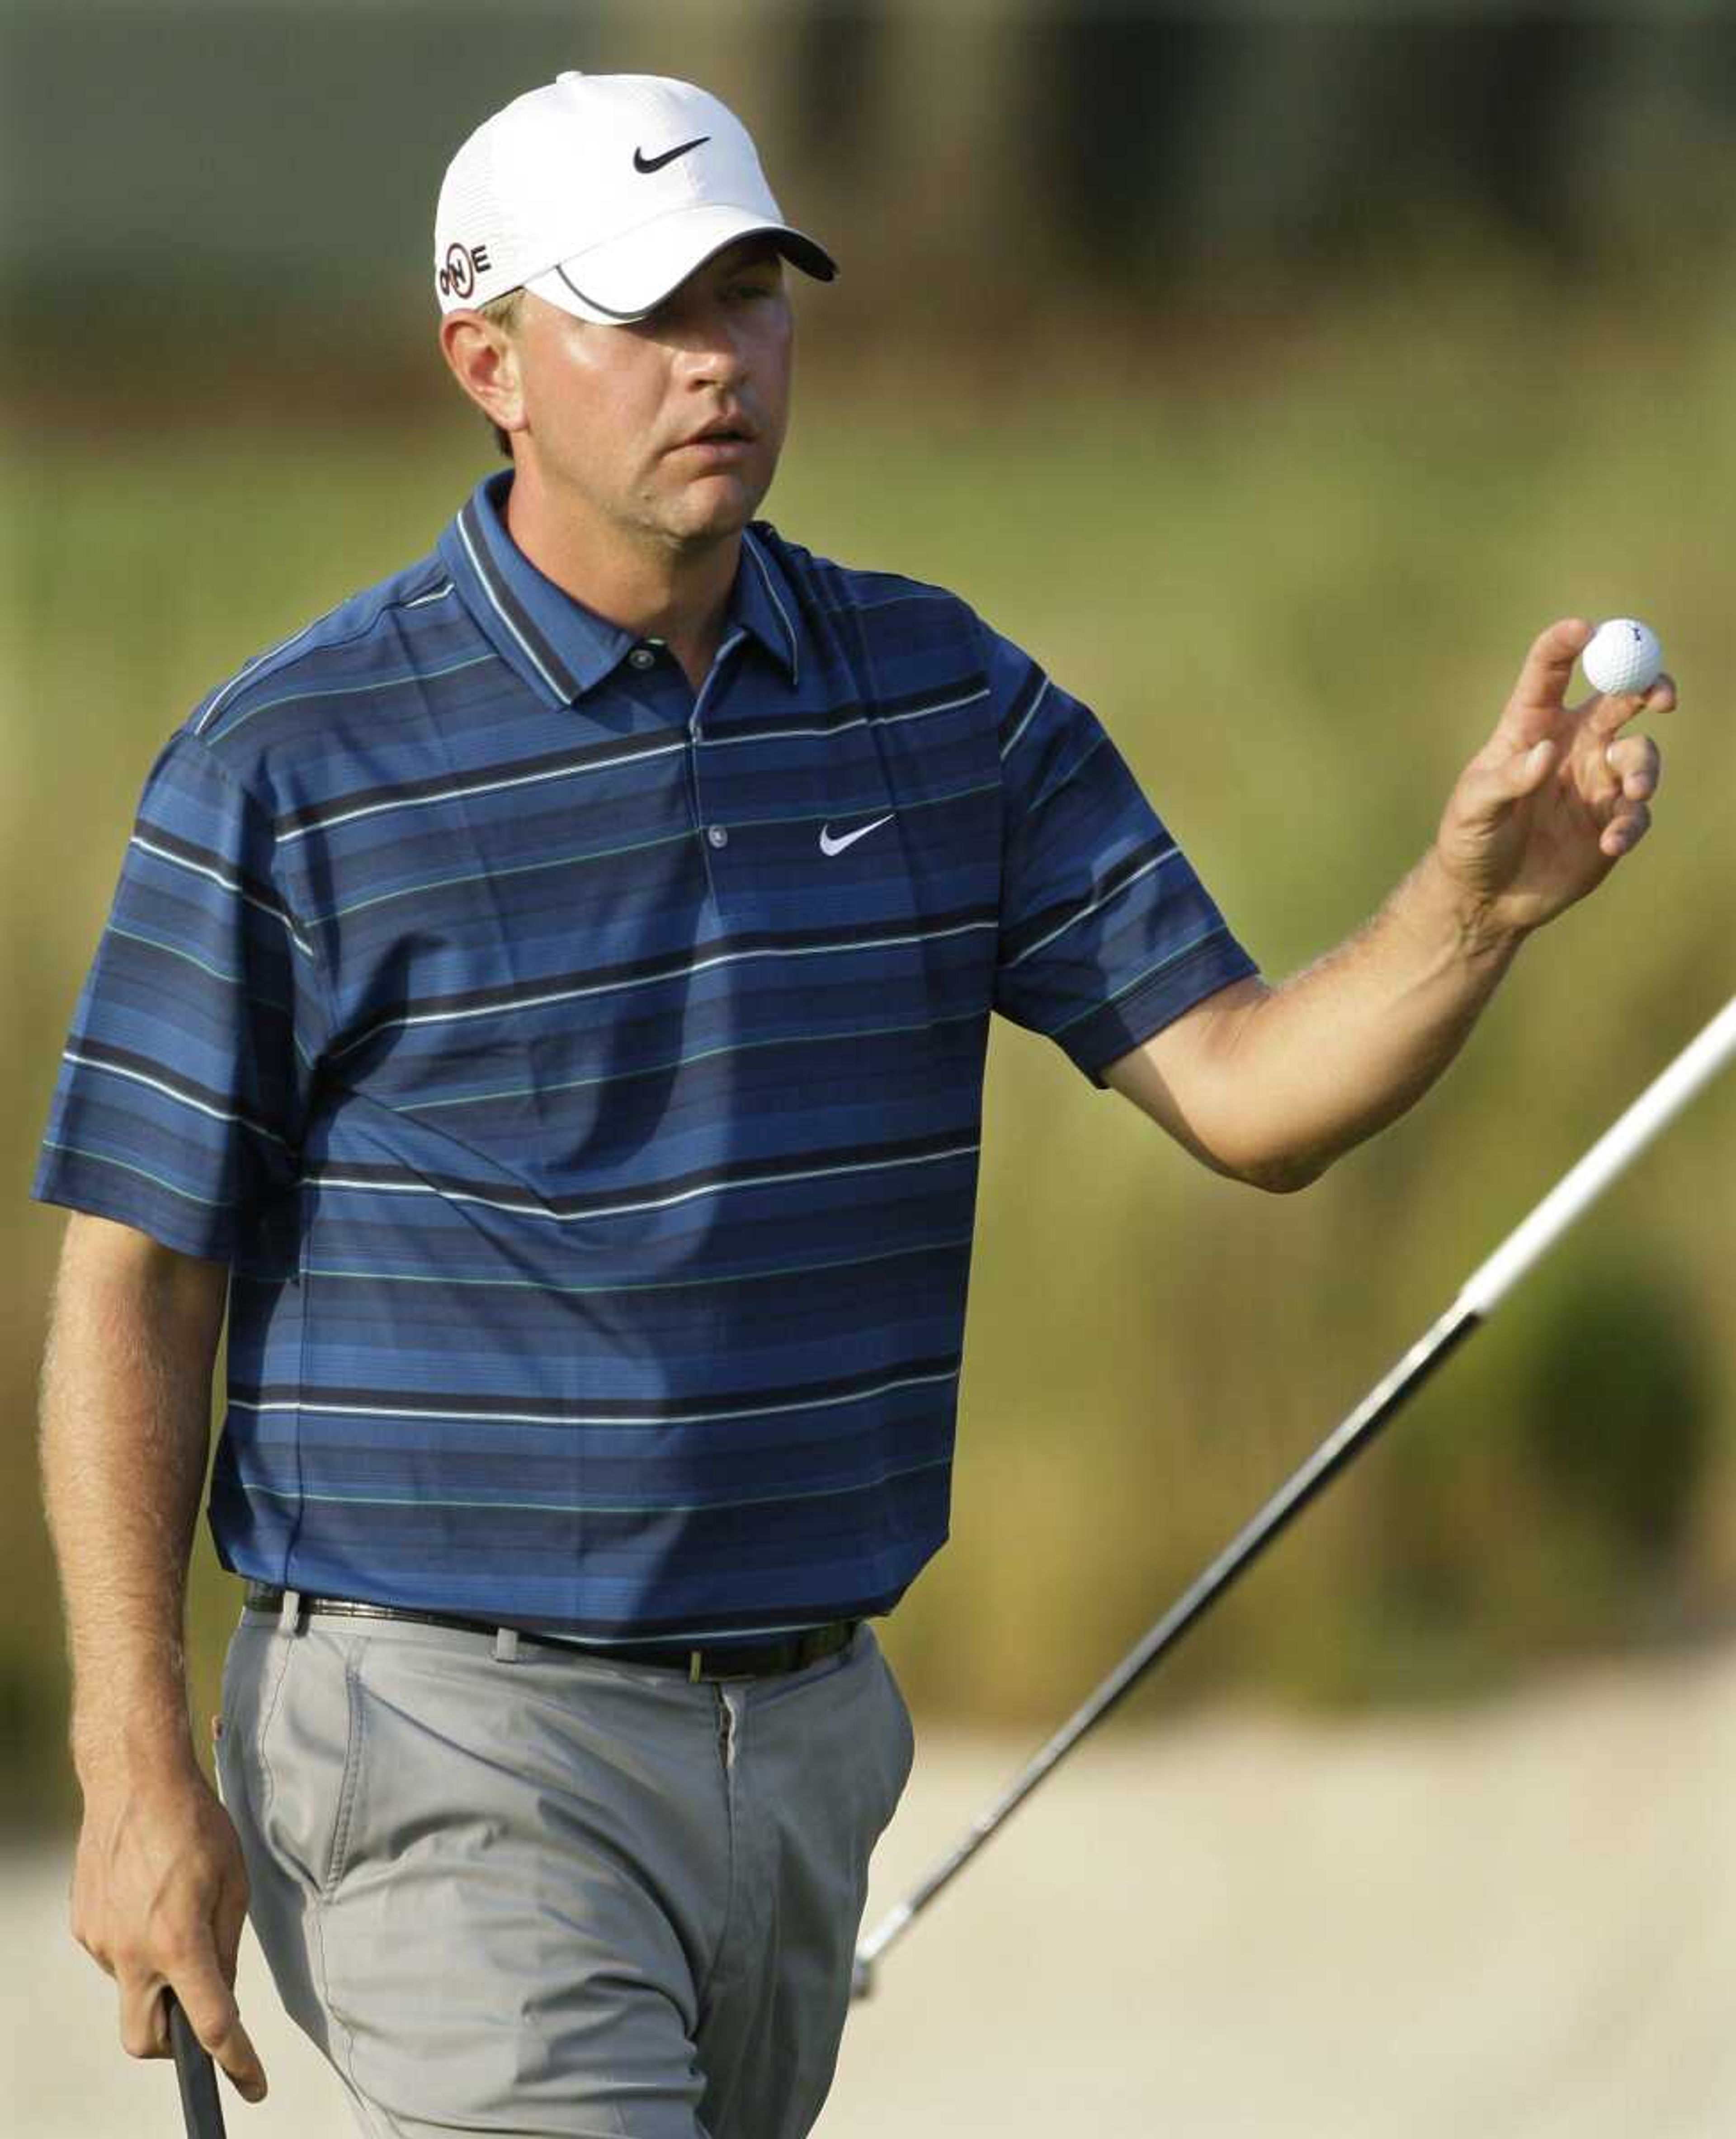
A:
{"points": [[715, 519], [730, 493]]}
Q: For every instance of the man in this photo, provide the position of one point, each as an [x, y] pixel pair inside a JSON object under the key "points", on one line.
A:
{"points": [[549, 996]]}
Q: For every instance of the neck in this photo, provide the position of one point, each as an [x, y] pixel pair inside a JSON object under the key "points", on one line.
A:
{"points": [[654, 590]]}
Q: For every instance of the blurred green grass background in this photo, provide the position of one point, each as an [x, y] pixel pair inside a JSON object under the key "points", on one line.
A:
{"points": [[1297, 586]]}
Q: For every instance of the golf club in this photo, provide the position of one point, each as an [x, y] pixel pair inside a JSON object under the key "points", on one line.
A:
{"points": [[1693, 1068], [198, 2076]]}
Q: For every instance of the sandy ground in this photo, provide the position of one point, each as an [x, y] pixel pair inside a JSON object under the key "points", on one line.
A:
{"points": [[1515, 1920]]}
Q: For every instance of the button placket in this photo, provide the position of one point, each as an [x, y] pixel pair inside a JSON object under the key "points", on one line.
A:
{"points": [[716, 837]]}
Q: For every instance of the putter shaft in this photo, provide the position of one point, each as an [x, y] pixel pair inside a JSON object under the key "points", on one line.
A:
{"points": [[200, 2105], [1692, 1069]]}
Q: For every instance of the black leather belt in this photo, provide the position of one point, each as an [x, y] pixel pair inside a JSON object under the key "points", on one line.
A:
{"points": [[789, 1653]]}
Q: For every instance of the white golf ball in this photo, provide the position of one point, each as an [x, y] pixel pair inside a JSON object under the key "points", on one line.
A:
{"points": [[1624, 655]]}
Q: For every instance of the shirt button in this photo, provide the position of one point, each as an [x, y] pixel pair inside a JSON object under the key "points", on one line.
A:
{"points": [[718, 836], [641, 657]]}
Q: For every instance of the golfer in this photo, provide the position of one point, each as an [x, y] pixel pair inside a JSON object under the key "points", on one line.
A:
{"points": [[546, 1000]]}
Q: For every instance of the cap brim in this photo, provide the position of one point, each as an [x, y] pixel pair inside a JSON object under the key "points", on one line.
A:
{"points": [[629, 278]]}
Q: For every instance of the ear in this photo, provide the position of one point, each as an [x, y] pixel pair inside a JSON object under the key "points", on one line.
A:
{"points": [[483, 358]]}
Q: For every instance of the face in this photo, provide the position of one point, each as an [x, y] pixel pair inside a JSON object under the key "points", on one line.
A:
{"points": [[667, 431]]}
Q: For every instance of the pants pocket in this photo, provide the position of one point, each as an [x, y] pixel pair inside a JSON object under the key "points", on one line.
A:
{"points": [[278, 1812], [252, 1669], [309, 1756], [900, 1743]]}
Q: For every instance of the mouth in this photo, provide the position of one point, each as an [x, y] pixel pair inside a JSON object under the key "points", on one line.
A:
{"points": [[723, 439]]}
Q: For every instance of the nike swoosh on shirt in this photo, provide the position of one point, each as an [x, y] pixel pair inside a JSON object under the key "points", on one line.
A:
{"points": [[828, 845], [642, 162]]}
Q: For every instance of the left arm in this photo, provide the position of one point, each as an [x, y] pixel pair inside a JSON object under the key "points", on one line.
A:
{"points": [[1271, 1085]]}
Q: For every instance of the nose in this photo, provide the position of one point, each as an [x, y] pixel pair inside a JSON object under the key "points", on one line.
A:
{"points": [[711, 346]]}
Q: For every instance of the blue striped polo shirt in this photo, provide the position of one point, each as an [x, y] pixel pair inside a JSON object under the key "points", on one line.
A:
{"points": [[583, 1077]]}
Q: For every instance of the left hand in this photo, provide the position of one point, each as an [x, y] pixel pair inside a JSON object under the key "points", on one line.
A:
{"points": [[1556, 796]]}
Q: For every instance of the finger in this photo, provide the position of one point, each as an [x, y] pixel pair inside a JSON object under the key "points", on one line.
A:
{"points": [[1607, 714], [1525, 772], [92, 1938], [1610, 713], [226, 1923], [143, 2024], [210, 2007], [1496, 779], [1637, 765], [1626, 829], [195, 2075], [1541, 689]]}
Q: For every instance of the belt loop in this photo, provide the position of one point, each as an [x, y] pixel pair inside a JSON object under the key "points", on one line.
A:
{"points": [[506, 1645], [289, 1612], [696, 1660]]}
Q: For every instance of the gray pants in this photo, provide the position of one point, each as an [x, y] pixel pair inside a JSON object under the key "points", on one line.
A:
{"points": [[556, 1895]]}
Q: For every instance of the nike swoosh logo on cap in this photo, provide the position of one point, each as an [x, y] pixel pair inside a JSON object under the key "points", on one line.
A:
{"points": [[642, 162], [828, 845]]}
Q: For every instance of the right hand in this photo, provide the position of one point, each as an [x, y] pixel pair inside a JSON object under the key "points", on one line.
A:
{"points": [[160, 1895]]}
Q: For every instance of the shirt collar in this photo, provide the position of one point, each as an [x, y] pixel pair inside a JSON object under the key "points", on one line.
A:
{"points": [[556, 642], [764, 603]]}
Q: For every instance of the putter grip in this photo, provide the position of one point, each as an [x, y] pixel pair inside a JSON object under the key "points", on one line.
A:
{"points": [[196, 2074]]}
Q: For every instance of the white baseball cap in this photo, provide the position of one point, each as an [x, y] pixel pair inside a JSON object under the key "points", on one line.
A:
{"points": [[601, 193]]}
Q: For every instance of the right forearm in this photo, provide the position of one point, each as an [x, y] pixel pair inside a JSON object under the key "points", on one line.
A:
{"points": [[159, 1887], [125, 1426]]}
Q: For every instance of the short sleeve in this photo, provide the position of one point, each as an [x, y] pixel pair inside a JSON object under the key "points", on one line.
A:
{"points": [[1106, 935], [180, 1102]]}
